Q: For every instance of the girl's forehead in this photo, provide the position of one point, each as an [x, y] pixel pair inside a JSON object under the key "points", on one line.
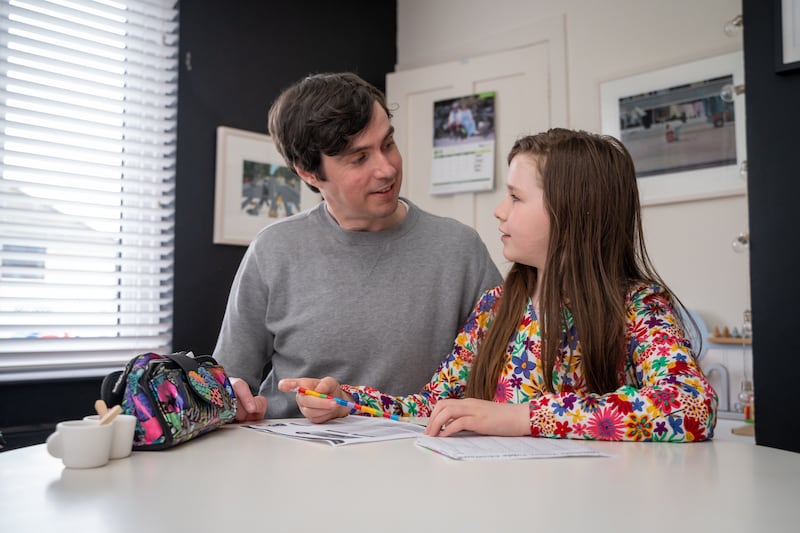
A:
{"points": [[524, 165]]}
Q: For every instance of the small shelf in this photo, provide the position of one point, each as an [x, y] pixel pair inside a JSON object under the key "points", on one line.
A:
{"points": [[730, 340]]}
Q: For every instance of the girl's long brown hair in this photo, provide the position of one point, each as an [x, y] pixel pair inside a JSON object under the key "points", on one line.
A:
{"points": [[596, 250]]}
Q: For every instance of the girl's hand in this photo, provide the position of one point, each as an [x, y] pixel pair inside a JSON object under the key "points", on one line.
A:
{"points": [[317, 410], [481, 416]]}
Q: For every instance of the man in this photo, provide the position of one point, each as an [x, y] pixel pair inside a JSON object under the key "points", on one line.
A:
{"points": [[365, 286]]}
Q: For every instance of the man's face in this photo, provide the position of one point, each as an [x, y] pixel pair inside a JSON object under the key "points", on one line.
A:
{"points": [[362, 184]]}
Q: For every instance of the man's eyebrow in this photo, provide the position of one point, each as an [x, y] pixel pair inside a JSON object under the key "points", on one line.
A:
{"points": [[355, 149]]}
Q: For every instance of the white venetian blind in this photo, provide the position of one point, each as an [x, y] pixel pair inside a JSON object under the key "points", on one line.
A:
{"points": [[88, 105]]}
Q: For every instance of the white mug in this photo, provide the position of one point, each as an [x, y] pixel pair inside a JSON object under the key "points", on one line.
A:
{"points": [[81, 443], [123, 428]]}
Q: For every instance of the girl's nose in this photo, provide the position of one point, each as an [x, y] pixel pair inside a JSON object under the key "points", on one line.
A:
{"points": [[499, 212]]}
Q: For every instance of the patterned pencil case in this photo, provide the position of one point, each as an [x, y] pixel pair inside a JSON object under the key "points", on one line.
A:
{"points": [[175, 397]]}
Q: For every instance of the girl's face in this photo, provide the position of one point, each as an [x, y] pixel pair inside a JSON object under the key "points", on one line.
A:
{"points": [[524, 221]]}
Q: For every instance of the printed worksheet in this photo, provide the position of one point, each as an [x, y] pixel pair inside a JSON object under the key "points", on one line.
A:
{"points": [[468, 446], [342, 431]]}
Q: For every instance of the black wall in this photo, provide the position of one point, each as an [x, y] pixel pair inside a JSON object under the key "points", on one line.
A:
{"points": [[242, 55], [773, 184]]}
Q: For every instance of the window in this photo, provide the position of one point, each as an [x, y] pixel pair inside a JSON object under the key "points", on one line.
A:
{"points": [[88, 111]]}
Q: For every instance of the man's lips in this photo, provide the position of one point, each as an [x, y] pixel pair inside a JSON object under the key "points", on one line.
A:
{"points": [[385, 190]]}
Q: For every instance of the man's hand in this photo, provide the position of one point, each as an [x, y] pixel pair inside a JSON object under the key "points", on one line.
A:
{"points": [[317, 410], [248, 407]]}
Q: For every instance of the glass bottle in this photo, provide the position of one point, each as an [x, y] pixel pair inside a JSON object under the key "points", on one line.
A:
{"points": [[746, 397], [747, 325]]}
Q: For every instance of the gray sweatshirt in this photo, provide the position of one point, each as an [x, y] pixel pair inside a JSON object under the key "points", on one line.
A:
{"points": [[368, 308]]}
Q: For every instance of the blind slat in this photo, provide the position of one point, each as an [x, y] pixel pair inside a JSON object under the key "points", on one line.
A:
{"points": [[23, 190], [115, 87], [144, 170], [130, 280], [141, 32], [24, 249], [100, 333], [53, 346], [37, 218], [105, 56], [84, 264], [78, 358], [58, 236], [81, 318], [106, 112], [158, 187], [103, 197]]}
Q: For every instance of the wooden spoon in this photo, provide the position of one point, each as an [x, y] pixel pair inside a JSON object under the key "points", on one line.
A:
{"points": [[101, 408], [110, 415]]}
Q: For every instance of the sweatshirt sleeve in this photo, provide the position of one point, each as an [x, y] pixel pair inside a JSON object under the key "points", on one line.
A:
{"points": [[667, 397], [244, 345], [450, 378]]}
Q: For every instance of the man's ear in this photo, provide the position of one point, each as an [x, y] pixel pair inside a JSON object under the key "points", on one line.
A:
{"points": [[309, 177]]}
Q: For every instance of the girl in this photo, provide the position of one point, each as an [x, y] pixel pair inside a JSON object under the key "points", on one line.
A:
{"points": [[582, 340]]}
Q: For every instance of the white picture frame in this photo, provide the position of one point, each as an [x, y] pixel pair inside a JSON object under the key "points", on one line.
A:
{"points": [[788, 30], [705, 161], [253, 187]]}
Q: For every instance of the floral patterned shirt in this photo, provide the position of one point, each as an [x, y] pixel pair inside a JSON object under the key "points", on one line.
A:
{"points": [[664, 395]]}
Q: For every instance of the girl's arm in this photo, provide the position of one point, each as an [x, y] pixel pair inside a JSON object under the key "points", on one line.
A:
{"points": [[449, 380]]}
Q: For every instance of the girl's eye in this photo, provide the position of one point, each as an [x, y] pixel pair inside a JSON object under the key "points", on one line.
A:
{"points": [[360, 159], [514, 197]]}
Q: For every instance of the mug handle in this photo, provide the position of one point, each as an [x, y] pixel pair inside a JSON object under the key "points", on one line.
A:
{"points": [[54, 444]]}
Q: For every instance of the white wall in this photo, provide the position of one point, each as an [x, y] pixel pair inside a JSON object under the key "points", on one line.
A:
{"points": [[690, 242]]}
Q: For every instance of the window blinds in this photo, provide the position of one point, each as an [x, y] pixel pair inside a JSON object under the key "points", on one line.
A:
{"points": [[88, 110]]}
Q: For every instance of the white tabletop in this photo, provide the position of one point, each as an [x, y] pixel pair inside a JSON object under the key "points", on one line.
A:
{"points": [[239, 479]]}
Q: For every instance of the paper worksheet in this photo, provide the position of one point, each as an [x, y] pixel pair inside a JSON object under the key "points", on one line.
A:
{"points": [[342, 431], [468, 446]]}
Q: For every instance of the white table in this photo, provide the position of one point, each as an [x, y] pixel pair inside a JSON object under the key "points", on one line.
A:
{"points": [[237, 479]]}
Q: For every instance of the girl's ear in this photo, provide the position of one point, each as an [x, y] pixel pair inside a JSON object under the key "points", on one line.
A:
{"points": [[308, 177]]}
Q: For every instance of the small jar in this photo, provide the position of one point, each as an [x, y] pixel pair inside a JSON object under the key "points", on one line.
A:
{"points": [[746, 397]]}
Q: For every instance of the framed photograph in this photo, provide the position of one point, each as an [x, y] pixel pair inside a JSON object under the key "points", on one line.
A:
{"points": [[787, 35], [254, 188], [684, 127], [463, 144]]}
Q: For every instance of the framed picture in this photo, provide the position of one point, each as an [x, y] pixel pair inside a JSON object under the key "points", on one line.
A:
{"points": [[253, 186], [787, 35], [684, 127], [463, 144]]}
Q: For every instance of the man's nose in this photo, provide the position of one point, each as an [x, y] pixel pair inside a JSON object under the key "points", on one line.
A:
{"points": [[383, 166]]}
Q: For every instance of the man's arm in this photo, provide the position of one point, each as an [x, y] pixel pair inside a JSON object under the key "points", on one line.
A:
{"points": [[244, 345]]}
